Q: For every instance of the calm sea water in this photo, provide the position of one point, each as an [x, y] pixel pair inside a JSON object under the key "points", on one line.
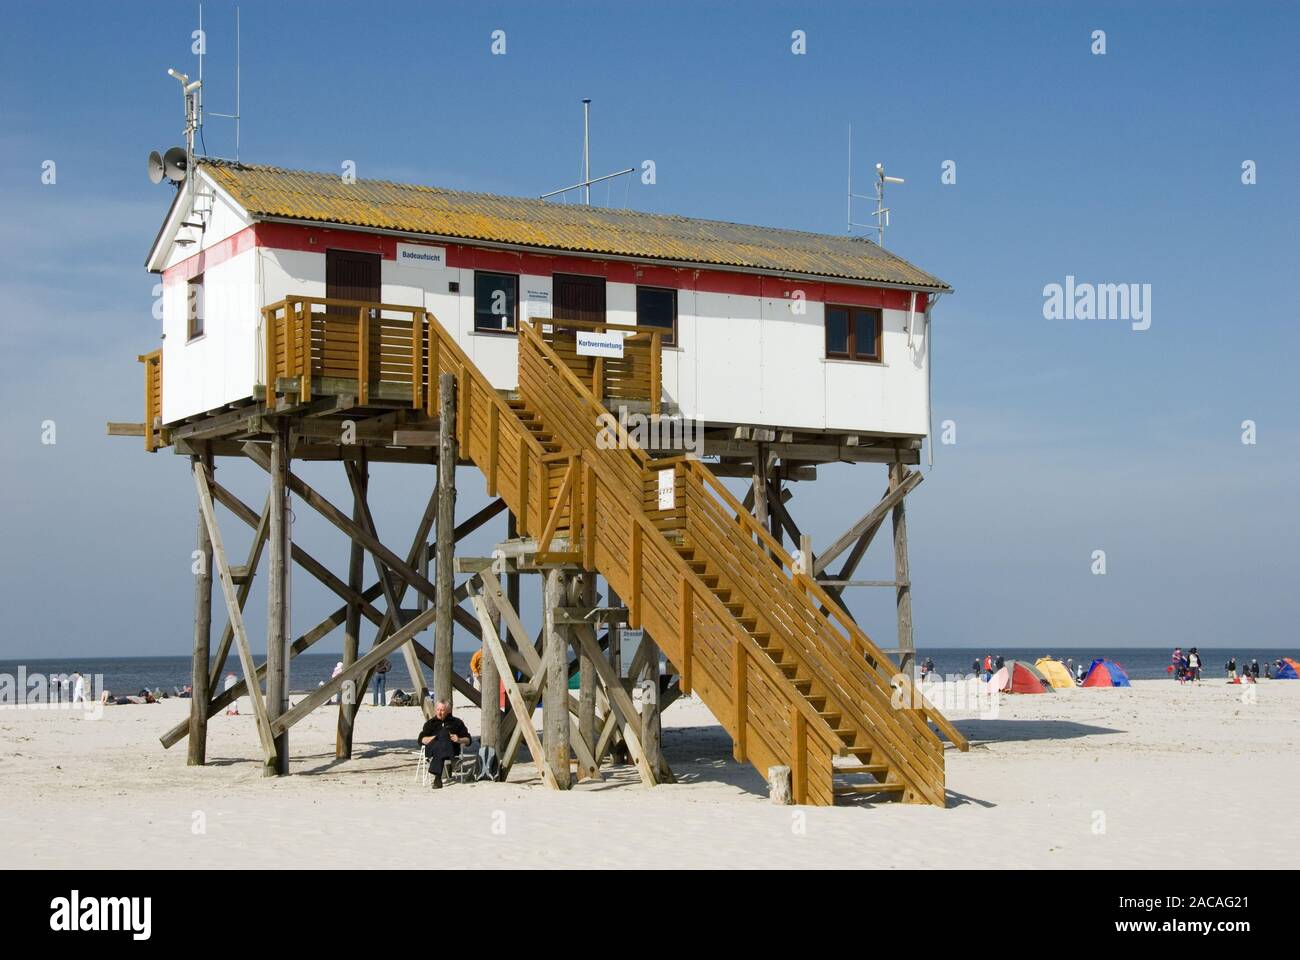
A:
{"points": [[128, 675]]}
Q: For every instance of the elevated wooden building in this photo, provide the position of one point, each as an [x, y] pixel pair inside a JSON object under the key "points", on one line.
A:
{"points": [[308, 317]]}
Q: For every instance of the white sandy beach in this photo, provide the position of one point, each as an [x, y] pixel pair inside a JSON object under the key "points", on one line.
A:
{"points": [[1182, 776]]}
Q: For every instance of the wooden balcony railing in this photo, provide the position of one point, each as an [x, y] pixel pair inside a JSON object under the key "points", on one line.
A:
{"points": [[154, 435], [635, 376], [373, 349]]}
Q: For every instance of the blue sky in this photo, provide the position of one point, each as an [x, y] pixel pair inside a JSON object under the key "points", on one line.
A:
{"points": [[1072, 436]]}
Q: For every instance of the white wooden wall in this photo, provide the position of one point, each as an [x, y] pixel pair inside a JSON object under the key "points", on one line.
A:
{"points": [[739, 359]]}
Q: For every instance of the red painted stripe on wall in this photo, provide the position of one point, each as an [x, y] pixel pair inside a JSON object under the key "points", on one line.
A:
{"points": [[285, 236], [217, 254]]}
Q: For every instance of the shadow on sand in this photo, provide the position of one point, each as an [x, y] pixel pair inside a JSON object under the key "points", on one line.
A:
{"points": [[1010, 731]]}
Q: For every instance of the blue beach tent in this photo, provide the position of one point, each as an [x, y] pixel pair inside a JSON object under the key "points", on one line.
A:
{"points": [[1106, 673]]}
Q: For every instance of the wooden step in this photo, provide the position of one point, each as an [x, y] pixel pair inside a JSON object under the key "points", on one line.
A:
{"points": [[860, 789], [875, 769]]}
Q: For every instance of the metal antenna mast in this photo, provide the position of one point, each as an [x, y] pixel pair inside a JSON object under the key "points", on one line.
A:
{"points": [[229, 116], [881, 212], [587, 178], [586, 150]]}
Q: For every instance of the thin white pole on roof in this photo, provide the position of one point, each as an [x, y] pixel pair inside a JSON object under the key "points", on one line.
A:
{"points": [[586, 150], [587, 179]]}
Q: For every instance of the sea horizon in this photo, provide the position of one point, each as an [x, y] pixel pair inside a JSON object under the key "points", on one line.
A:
{"points": [[130, 674]]}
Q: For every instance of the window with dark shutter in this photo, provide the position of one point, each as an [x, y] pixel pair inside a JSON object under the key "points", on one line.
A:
{"points": [[657, 307], [194, 308], [853, 333], [579, 297]]}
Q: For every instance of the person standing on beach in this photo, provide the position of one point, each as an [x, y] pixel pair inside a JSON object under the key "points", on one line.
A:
{"points": [[78, 688], [476, 669], [1254, 668], [1194, 665], [338, 668], [1232, 667], [975, 666], [381, 680], [232, 709]]}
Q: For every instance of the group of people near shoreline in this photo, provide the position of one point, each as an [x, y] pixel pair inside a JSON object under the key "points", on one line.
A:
{"points": [[77, 688], [1187, 667], [1250, 671]]}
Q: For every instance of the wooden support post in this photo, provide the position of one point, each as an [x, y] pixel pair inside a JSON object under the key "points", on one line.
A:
{"points": [[634, 575], [201, 682], [760, 485], [512, 577], [618, 752], [651, 727], [798, 755], [448, 450], [686, 618], [277, 614], [656, 373], [363, 355], [740, 697], [269, 349], [898, 475], [778, 507], [348, 707], [555, 676], [490, 690], [587, 731]]}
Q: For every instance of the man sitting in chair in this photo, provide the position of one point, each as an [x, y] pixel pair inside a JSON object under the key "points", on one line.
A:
{"points": [[442, 736]]}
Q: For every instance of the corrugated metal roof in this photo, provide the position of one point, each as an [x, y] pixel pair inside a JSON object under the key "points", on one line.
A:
{"points": [[274, 192]]}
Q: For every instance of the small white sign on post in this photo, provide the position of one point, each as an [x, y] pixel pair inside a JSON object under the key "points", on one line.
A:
{"points": [[607, 344], [421, 255], [667, 489]]}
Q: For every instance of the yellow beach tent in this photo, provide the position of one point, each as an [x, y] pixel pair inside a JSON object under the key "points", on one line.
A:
{"points": [[1055, 672]]}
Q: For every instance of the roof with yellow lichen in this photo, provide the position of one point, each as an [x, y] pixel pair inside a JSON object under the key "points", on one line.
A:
{"points": [[272, 192]]}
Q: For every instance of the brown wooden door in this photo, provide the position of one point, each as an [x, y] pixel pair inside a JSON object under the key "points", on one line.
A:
{"points": [[579, 297], [350, 276]]}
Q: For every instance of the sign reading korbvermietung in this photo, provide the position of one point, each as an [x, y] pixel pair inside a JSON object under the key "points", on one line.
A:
{"points": [[607, 344]]}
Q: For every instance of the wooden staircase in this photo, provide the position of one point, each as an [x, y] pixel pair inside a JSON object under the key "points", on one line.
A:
{"points": [[808, 687], [791, 677]]}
